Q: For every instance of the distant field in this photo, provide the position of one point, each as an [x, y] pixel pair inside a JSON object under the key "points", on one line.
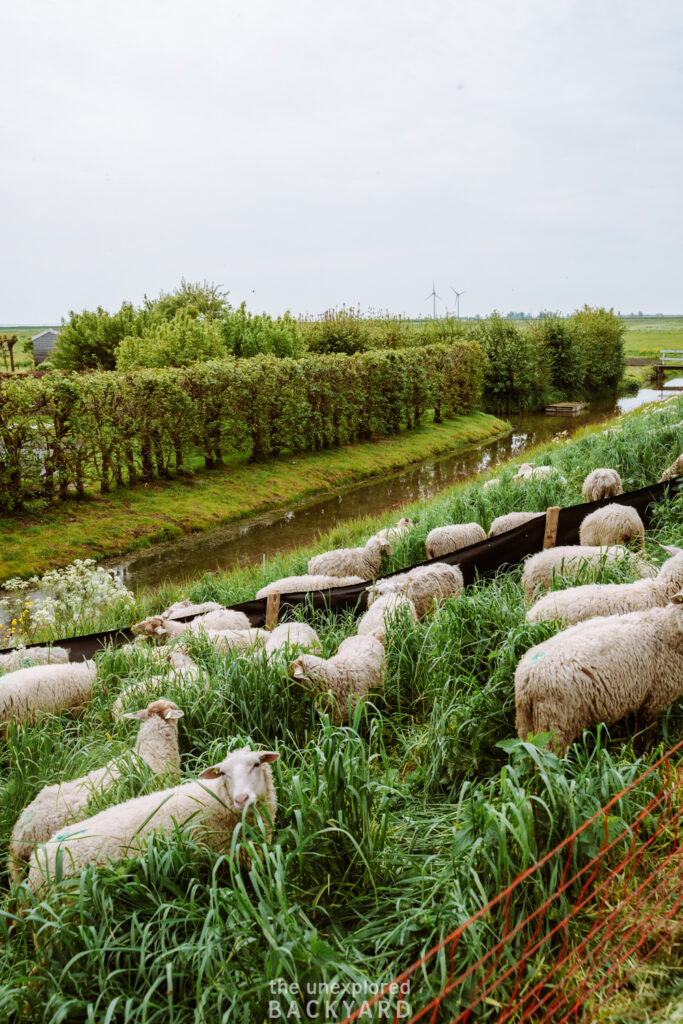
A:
{"points": [[646, 336], [22, 360]]}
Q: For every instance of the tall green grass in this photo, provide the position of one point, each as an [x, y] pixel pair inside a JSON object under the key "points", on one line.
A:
{"points": [[391, 830]]}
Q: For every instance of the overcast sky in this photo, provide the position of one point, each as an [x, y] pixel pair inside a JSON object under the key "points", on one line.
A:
{"points": [[308, 154]]}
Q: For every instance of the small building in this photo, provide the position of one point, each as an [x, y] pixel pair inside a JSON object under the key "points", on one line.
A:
{"points": [[43, 344]]}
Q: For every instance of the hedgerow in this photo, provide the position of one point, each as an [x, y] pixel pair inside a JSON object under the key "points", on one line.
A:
{"points": [[64, 432]]}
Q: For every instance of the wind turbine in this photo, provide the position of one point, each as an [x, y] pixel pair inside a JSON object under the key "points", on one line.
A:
{"points": [[457, 301], [432, 295]]}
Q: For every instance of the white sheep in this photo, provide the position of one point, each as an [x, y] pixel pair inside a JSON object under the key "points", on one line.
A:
{"points": [[188, 609], [306, 583], [511, 521], [291, 635], [492, 483], [612, 524], [182, 670], [675, 469], [580, 603], [528, 472], [55, 806], [356, 668], [602, 483], [382, 611], [600, 671], [364, 562], [212, 806], [394, 533], [25, 657], [161, 629], [52, 688], [424, 585], [443, 540], [570, 561], [235, 639]]}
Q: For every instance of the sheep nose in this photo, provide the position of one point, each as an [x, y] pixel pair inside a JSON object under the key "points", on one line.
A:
{"points": [[241, 799]]}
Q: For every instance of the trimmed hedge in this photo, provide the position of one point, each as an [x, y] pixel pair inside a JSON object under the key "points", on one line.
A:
{"points": [[65, 431]]}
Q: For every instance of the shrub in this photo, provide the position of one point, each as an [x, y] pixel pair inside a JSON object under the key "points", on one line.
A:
{"points": [[561, 341], [89, 340], [515, 375], [602, 337], [176, 342], [338, 331], [245, 334]]}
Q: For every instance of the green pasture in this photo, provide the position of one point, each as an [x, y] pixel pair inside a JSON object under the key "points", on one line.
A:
{"points": [[391, 830], [646, 337]]}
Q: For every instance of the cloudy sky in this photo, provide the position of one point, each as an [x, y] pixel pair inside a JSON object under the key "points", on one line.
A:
{"points": [[308, 154]]}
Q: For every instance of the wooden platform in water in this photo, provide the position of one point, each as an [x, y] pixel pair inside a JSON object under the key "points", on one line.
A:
{"points": [[565, 408]]}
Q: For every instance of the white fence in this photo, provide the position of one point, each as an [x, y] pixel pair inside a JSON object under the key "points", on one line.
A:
{"points": [[671, 355]]}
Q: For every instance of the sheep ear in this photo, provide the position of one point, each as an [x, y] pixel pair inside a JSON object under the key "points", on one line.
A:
{"points": [[211, 773], [671, 548], [296, 669], [268, 756], [173, 713], [139, 716]]}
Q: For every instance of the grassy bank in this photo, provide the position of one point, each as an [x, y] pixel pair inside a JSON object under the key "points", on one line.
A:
{"points": [[391, 830], [125, 520]]}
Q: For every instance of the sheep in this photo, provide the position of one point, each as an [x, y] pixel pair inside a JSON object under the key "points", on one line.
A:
{"points": [[675, 469], [186, 609], [236, 639], [602, 483], [510, 521], [380, 613], [364, 562], [303, 584], [394, 533], [539, 569], [25, 657], [445, 539], [600, 671], [424, 585], [26, 692], [290, 635], [356, 668], [528, 472], [182, 670], [55, 806], [214, 804], [492, 483], [612, 524], [160, 628], [580, 603]]}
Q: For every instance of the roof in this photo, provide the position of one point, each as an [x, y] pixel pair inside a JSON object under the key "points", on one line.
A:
{"points": [[48, 330]]}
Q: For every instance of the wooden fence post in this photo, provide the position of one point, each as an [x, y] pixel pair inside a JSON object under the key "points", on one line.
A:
{"points": [[272, 609], [552, 516]]}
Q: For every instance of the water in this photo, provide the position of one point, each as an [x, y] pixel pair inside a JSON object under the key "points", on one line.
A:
{"points": [[250, 540]]}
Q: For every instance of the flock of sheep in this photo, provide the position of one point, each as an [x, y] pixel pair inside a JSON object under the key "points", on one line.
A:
{"points": [[620, 651]]}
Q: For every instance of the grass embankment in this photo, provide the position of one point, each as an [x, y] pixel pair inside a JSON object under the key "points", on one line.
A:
{"points": [[391, 831], [133, 518]]}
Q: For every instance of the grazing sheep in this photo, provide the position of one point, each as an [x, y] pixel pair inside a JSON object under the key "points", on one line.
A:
{"points": [[364, 562], [394, 533], [182, 670], [160, 628], [25, 657], [424, 585], [600, 671], [491, 483], [612, 524], [291, 635], [540, 569], [356, 668], [580, 603], [303, 584], [510, 521], [54, 806], [380, 613], [26, 692], [528, 472], [187, 609], [236, 639], [675, 469], [602, 483], [214, 804], [445, 539]]}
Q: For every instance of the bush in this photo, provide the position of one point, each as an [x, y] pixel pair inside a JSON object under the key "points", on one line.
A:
{"points": [[177, 342], [562, 344], [89, 340], [516, 373], [602, 337], [245, 334], [338, 331]]}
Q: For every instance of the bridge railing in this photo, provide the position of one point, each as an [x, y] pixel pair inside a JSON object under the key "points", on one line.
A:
{"points": [[671, 355]]}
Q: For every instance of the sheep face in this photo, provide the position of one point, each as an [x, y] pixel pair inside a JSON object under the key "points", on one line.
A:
{"points": [[245, 776]]}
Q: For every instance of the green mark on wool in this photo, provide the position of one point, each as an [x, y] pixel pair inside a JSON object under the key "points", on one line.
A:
{"points": [[69, 835], [538, 655]]}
